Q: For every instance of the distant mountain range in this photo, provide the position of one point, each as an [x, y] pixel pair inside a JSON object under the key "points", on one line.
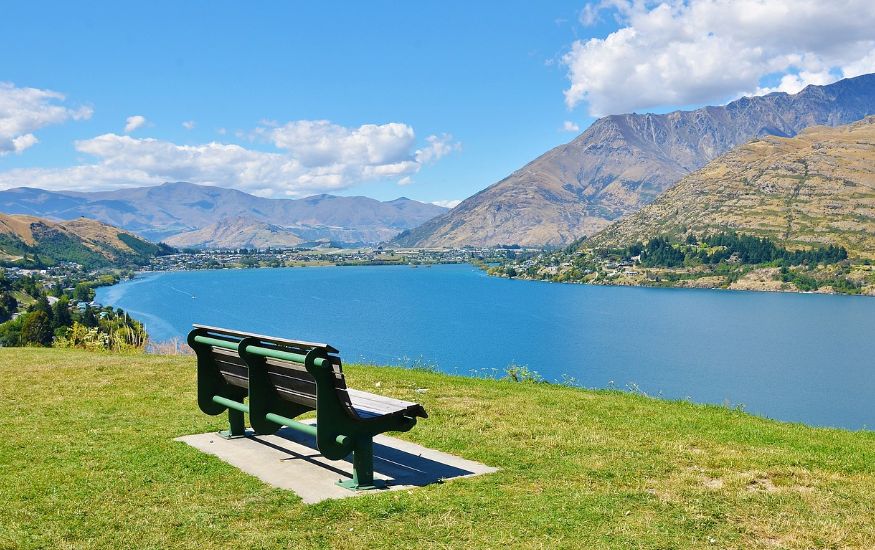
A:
{"points": [[817, 188], [87, 242], [624, 162], [186, 214]]}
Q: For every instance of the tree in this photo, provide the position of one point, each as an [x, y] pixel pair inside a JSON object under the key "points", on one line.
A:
{"points": [[89, 318], [10, 332], [83, 292], [9, 302], [42, 304], [61, 313], [37, 329], [28, 285]]}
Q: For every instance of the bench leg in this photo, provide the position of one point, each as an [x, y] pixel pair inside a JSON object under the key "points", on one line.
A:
{"points": [[236, 425], [362, 467]]}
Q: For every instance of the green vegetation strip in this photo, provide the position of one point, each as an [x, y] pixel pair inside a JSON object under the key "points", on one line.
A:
{"points": [[88, 461]]}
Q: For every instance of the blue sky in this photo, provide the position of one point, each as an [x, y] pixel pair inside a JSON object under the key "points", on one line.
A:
{"points": [[430, 101]]}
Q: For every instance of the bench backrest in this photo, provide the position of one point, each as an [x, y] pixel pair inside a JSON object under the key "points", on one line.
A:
{"points": [[288, 374], [291, 380]]}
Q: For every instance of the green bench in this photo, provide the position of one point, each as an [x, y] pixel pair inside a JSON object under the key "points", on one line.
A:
{"points": [[283, 379]]}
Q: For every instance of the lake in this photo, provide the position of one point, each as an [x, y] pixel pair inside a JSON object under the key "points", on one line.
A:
{"points": [[792, 357]]}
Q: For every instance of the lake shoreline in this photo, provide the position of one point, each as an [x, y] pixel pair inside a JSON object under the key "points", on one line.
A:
{"points": [[751, 282], [742, 285]]}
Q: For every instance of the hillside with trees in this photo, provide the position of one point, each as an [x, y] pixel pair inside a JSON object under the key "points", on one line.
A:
{"points": [[777, 213], [35, 243], [59, 311]]}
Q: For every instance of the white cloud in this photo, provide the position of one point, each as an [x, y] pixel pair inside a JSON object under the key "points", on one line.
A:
{"points": [[406, 180], [569, 126], [21, 143], [865, 65], [26, 110], [447, 204], [189, 124], [135, 123], [792, 83], [690, 52], [438, 148], [312, 157], [320, 143]]}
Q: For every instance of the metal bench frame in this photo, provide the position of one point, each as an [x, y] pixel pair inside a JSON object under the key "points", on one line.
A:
{"points": [[286, 378]]}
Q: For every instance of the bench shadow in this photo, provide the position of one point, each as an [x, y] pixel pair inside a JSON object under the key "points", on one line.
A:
{"points": [[311, 458], [396, 466]]}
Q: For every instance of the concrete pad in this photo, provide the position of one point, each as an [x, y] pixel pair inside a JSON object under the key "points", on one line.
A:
{"points": [[289, 459]]}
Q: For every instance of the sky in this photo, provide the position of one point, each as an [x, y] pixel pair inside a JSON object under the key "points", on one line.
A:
{"points": [[433, 101]]}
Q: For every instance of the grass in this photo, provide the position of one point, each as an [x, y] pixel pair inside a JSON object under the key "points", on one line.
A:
{"points": [[87, 461]]}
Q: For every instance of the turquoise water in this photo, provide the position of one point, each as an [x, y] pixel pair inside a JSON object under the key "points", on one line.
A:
{"points": [[793, 357]]}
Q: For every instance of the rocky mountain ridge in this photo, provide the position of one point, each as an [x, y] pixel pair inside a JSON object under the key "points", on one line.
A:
{"points": [[623, 162]]}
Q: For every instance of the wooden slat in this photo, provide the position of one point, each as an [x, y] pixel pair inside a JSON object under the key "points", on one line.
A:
{"points": [[297, 384], [231, 367], [272, 339], [299, 398], [292, 382], [288, 369], [369, 404]]}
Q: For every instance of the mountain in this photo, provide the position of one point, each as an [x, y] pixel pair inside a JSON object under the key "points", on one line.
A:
{"points": [[237, 232], [87, 242], [623, 162], [159, 212], [817, 188]]}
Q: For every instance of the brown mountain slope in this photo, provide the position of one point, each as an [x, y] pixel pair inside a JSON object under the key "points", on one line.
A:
{"points": [[623, 162], [18, 227], [815, 188], [88, 242], [102, 237], [237, 232]]}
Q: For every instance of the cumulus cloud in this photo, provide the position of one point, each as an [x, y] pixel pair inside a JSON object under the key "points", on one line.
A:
{"points": [[321, 143], [311, 157], [21, 143], [134, 123], [189, 124], [438, 147], [569, 126], [690, 52], [26, 110], [447, 204]]}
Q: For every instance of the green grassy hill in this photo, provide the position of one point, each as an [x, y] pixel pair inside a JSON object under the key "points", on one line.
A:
{"points": [[88, 460]]}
